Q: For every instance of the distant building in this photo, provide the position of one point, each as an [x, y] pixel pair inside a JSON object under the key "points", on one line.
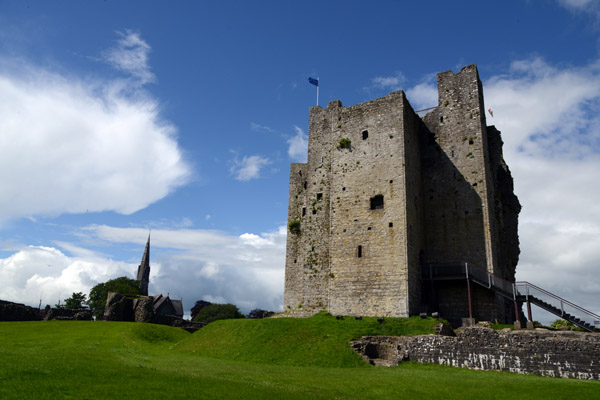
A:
{"points": [[163, 305], [143, 274]]}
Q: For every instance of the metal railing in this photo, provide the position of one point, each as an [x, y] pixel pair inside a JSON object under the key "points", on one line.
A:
{"points": [[517, 291], [555, 304]]}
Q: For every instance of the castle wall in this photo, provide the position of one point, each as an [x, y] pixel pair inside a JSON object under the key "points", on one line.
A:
{"points": [[307, 260], [463, 208], [455, 174], [369, 246], [385, 191]]}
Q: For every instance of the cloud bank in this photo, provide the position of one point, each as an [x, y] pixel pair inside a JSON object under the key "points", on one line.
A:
{"points": [[71, 145], [245, 270]]}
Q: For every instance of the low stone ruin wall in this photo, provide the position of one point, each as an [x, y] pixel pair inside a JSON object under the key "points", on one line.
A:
{"points": [[563, 354], [68, 314], [10, 311]]}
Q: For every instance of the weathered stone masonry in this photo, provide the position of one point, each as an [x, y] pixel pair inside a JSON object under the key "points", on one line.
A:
{"points": [[559, 354], [385, 191]]}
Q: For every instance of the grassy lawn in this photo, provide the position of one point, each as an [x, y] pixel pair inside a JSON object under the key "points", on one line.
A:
{"points": [[291, 359]]}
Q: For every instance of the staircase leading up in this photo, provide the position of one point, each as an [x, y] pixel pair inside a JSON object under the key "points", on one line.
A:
{"points": [[516, 291]]}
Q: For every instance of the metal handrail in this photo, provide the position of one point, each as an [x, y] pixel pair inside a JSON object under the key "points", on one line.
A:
{"points": [[474, 272], [549, 294]]}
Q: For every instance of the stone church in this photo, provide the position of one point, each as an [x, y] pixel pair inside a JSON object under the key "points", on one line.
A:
{"points": [[388, 195]]}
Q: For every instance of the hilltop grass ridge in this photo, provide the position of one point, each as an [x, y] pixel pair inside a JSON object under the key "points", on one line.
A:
{"points": [[320, 340], [125, 360]]}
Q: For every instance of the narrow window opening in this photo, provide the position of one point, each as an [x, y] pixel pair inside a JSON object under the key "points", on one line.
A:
{"points": [[391, 225], [359, 252], [377, 202], [300, 173], [314, 211], [391, 181], [319, 196], [470, 141], [294, 261], [365, 134], [305, 183], [303, 211], [452, 153], [442, 118]]}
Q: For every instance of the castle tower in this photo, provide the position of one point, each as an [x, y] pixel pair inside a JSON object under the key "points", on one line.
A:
{"points": [[143, 274], [385, 192]]}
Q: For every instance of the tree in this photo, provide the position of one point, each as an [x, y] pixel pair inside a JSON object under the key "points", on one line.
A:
{"points": [[200, 304], [97, 297], [215, 312], [76, 300]]}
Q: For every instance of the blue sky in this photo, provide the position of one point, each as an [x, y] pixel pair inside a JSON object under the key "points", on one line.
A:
{"points": [[183, 118]]}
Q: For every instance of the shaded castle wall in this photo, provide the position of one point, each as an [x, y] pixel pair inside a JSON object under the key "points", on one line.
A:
{"points": [[455, 174], [463, 216]]}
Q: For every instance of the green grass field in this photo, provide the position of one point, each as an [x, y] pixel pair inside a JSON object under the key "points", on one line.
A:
{"points": [[274, 358]]}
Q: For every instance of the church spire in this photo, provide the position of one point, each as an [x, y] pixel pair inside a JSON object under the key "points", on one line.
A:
{"points": [[143, 275]]}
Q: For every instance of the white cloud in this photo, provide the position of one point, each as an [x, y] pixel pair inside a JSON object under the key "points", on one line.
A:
{"points": [[393, 82], [298, 146], [550, 118], [131, 56], [248, 167], [423, 95], [246, 270], [46, 272], [576, 4], [260, 128], [70, 145]]}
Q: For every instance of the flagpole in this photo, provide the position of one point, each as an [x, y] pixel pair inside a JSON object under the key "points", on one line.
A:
{"points": [[318, 90]]}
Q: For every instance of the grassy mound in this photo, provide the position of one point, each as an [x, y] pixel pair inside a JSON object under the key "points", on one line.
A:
{"points": [[317, 341], [120, 360]]}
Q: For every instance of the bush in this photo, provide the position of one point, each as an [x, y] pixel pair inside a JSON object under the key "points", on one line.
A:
{"points": [[564, 325], [344, 143], [294, 226], [200, 304], [215, 312]]}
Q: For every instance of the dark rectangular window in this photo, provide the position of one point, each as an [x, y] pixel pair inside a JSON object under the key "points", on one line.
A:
{"points": [[319, 196], [365, 134], [377, 202], [303, 211], [359, 251]]}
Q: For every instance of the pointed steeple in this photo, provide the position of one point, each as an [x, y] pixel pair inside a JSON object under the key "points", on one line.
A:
{"points": [[143, 274]]}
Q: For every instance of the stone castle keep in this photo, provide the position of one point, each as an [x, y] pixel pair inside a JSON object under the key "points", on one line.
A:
{"points": [[386, 193]]}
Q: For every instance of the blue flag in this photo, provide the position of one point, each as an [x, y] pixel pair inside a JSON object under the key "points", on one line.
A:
{"points": [[313, 81]]}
